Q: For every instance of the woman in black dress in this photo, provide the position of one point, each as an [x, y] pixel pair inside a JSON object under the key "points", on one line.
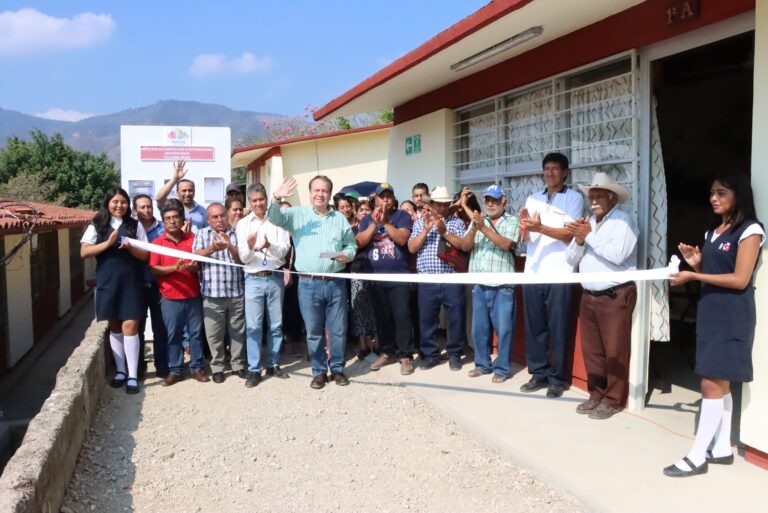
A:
{"points": [[119, 281], [725, 324]]}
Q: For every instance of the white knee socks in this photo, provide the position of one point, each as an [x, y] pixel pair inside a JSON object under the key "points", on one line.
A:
{"points": [[722, 445], [116, 343], [709, 419], [132, 351]]}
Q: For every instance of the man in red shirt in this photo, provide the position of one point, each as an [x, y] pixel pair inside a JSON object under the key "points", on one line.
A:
{"points": [[181, 303]]}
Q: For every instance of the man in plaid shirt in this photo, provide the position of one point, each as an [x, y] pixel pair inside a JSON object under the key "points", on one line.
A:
{"points": [[436, 224], [492, 239], [222, 289]]}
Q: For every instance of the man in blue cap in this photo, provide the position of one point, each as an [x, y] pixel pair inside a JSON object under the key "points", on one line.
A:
{"points": [[383, 236], [492, 239]]}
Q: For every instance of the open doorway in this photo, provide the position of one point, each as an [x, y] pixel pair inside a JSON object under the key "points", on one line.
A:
{"points": [[704, 113]]}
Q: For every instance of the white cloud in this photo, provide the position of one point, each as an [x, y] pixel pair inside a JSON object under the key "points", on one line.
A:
{"points": [[217, 63], [29, 31], [63, 115]]}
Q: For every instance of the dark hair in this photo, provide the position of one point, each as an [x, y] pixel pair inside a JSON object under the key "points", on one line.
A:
{"points": [[231, 199], [172, 205], [141, 196], [557, 158], [323, 178], [103, 217], [184, 180], [339, 197], [420, 185], [411, 203], [744, 203], [472, 202], [254, 188]]}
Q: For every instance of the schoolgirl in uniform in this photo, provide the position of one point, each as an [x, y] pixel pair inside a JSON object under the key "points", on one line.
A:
{"points": [[725, 324], [119, 281]]}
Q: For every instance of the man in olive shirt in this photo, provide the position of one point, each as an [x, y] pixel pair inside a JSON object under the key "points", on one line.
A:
{"points": [[319, 230]]}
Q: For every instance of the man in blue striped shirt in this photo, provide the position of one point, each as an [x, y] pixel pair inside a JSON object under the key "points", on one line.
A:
{"points": [[324, 244], [222, 290]]}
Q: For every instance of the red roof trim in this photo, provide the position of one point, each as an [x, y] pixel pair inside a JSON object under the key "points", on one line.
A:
{"points": [[472, 23], [312, 137], [51, 217]]}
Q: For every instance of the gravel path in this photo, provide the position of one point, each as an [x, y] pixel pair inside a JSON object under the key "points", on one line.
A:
{"points": [[281, 447]]}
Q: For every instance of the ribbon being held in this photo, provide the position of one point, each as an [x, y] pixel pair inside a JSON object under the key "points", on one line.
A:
{"points": [[662, 273]]}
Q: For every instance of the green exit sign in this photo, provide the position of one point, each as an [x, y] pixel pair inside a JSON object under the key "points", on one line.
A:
{"points": [[413, 144]]}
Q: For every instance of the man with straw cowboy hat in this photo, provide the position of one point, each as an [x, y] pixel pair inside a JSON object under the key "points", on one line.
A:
{"points": [[605, 242]]}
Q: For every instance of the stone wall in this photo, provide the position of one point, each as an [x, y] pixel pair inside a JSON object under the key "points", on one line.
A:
{"points": [[36, 477]]}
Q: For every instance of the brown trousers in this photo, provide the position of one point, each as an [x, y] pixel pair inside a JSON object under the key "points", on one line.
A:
{"points": [[606, 326]]}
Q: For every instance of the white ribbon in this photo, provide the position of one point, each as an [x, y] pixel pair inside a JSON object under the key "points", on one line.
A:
{"points": [[662, 273]]}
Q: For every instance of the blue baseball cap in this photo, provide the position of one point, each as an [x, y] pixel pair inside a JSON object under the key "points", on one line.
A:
{"points": [[494, 191], [384, 187]]}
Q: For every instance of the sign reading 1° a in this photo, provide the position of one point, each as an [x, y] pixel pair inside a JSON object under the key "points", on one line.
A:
{"points": [[413, 144]]}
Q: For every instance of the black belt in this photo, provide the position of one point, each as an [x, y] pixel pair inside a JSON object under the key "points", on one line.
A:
{"points": [[320, 278], [610, 292]]}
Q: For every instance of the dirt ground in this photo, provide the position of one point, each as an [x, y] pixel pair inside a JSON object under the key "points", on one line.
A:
{"points": [[282, 447]]}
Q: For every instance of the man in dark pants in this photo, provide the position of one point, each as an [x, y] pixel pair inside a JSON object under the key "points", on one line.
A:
{"points": [[548, 306], [142, 206], [383, 236], [435, 224]]}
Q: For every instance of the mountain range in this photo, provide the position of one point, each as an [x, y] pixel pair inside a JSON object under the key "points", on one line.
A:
{"points": [[102, 133]]}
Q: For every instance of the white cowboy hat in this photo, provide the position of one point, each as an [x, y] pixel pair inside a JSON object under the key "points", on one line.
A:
{"points": [[440, 195], [603, 181]]}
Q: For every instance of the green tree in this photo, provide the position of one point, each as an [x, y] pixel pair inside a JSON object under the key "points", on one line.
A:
{"points": [[67, 177]]}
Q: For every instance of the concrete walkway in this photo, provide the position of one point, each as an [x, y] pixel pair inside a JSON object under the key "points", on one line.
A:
{"points": [[612, 465]]}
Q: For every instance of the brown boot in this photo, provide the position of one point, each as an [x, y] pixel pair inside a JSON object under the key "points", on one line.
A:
{"points": [[382, 361]]}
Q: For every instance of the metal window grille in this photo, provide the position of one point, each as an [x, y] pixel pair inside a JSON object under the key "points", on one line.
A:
{"points": [[590, 116]]}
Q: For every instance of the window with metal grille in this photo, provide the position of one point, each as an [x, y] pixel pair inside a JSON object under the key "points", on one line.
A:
{"points": [[590, 116]]}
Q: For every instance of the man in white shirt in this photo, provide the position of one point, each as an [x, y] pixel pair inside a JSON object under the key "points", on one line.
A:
{"points": [[605, 242], [548, 306], [263, 248]]}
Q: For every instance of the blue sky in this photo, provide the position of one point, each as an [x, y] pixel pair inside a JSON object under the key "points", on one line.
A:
{"points": [[267, 56]]}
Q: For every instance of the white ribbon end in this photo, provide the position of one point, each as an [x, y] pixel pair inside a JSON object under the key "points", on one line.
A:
{"points": [[674, 265]]}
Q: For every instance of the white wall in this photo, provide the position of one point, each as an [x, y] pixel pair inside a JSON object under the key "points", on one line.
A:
{"points": [[132, 138], [65, 280], [434, 165], [754, 417], [19, 294], [345, 160]]}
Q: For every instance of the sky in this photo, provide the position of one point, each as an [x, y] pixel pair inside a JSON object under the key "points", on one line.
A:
{"points": [[68, 60]]}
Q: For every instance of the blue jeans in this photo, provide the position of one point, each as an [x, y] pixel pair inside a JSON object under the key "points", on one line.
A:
{"points": [[452, 297], [263, 293], [324, 305], [493, 309], [181, 314]]}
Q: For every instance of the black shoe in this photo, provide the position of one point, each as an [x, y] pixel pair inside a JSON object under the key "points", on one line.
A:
{"points": [[218, 377], [277, 372], [719, 460], [428, 363], [362, 353], [533, 386], [673, 471], [131, 386], [555, 391], [319, 381], [253, 379], [242, 373], [454, 363], [340, 379], [119, 380]]}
